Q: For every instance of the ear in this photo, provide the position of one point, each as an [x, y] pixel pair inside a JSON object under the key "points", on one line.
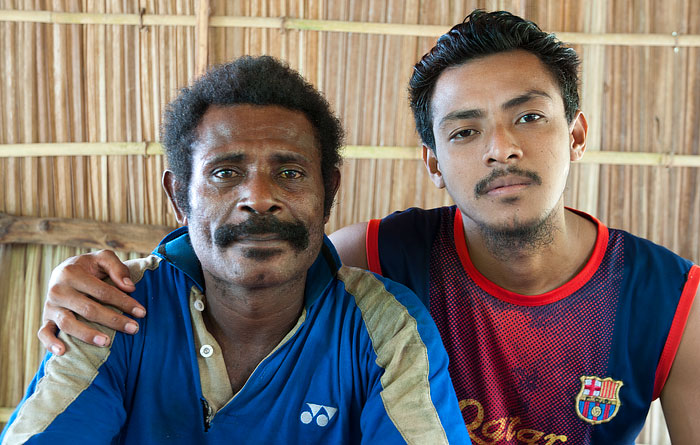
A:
{"points": [[335, 184], [431, 164], [578, 129], [170, 185]]}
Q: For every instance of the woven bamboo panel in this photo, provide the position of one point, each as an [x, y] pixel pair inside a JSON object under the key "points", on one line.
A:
{"points": [[109, 83]]}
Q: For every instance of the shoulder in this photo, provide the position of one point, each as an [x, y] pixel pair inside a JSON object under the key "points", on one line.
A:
{"points": [[413, 225], [409, 357], [644, 255], [386, 305], [139, 266], [350, 242], [416, 215]]}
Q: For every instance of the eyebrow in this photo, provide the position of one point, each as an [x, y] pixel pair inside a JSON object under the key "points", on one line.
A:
{"points": [[476, 113], [283, 158], [524, 98], [226, 157]]}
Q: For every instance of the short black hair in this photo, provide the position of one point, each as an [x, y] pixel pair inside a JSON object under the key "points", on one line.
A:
{"points": [[482, 34], [249, 80]]}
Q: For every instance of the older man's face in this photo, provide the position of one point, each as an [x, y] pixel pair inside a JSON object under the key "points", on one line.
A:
{"points": [[256, 195]]}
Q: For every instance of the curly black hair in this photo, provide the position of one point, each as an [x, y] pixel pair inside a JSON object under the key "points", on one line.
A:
{"points": [[250, 80], [482, 34]]}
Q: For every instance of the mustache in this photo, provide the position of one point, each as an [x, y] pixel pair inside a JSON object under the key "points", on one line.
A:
{"points": [[294, 232], [481, 186]]}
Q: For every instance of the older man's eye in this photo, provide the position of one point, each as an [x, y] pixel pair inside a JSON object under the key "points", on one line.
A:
{"points": [[291, 174], [224, 173]]}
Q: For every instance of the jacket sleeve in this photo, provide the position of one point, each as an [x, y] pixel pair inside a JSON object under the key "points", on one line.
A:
{"points": [[410, 398], [74, 398]]}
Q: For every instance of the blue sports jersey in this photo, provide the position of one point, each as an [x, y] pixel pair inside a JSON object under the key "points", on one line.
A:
{"points": [[364, 364], [579, 364]]}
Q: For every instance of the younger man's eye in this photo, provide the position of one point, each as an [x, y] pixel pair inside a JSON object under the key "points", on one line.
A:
{"points": [[463, 134], [531, 117]]}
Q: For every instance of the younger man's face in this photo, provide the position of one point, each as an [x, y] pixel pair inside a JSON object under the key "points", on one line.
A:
{"points": [[503, 145]]}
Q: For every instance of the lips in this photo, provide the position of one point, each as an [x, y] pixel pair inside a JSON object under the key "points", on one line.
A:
{"points": [[504, 182], [259, 237], [507, 180]]}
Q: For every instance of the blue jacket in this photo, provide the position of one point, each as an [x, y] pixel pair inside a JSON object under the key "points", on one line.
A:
{"points": [[364, 364]]}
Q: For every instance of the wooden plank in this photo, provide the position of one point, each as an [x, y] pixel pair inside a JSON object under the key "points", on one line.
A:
{"points": [[80, 233], [664, 159], [202, 37], [395, 29], [592, 79]]}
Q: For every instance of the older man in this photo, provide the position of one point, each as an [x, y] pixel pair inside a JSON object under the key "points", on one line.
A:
{"points": [[255, 334]]}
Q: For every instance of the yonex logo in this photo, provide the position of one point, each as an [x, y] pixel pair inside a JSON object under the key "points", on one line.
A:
{"points": [[314, 412]]}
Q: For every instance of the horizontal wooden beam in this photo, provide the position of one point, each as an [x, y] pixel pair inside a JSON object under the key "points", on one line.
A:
{"points": [[80, 149], [82, 233], [288, 23], [349, 152]]}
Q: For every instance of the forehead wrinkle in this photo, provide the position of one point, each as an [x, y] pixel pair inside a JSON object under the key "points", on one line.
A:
{"points": [[224, 133]]}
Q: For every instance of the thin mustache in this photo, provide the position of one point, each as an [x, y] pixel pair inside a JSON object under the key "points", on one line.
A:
{"points": [[481, 186]]}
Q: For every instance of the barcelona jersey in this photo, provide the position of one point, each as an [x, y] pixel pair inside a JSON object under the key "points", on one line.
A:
{"points": [[578, 364]]}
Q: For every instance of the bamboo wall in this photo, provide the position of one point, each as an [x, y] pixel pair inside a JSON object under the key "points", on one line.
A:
{"points": [[88, 82]]}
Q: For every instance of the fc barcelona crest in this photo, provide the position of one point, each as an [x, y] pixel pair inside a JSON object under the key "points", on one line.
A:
{"points": [[598, 401]]}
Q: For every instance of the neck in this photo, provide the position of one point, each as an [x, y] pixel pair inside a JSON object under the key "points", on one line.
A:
{"points": [[249, 323], [256, 315], [536, 259]]}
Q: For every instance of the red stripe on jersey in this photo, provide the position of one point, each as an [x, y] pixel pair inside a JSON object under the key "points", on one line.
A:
{"points": [[372, 246], [533, 300], [609, 391], [675, 334]]}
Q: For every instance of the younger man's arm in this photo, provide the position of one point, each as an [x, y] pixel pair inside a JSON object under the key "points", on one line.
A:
{"points": [[680, 397]]}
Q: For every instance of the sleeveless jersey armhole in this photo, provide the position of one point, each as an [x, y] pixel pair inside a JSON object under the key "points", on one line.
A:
{"points": [[372, 246], [676, 332]]}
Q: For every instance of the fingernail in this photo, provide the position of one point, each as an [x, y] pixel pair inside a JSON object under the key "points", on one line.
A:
{"points": [[131, 328], [128, 281], [138, 312], [55, 349], [100, 340]]}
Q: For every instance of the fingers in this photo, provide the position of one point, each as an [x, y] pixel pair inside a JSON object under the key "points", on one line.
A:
{"points": [[83, 274], [64, 298], [47, 336], [75, 287], [106, 261], [66, 321]]}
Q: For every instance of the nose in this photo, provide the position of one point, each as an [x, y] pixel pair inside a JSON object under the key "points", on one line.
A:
{"points": [[503, 147], [258, 195]]}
